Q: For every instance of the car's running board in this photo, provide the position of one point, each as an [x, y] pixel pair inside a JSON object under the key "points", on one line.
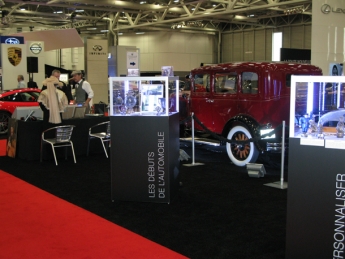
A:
{"points": [[205, 141]]}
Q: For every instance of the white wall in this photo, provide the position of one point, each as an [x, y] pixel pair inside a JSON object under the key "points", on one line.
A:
{"points": [[71, 58], [183, 51], [327, 44]]}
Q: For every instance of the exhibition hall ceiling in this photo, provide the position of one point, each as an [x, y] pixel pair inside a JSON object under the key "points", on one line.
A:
{"points": [[93, 17]]}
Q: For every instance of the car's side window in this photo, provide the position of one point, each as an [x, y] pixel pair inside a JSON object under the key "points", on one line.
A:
{"points": [[201, 83], [249, 83], [10, 98], [17, 97], [225, 83], [26, 97]]}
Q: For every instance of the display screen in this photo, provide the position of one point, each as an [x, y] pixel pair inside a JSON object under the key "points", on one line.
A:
{"points": [[317, 107], [22, 113], [64, 78]]}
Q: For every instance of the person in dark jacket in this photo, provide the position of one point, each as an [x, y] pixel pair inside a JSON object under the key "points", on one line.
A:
{"points": [[63, 87]]}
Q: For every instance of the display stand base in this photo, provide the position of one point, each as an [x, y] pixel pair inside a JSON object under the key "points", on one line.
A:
{"points": [[145, 166], [278, 185], [193, 164]]}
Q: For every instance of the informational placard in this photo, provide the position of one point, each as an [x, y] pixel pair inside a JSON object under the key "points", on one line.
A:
{"points": [[335, 143], [132, 60], [133, 72], [312, 142], [167, 71]]}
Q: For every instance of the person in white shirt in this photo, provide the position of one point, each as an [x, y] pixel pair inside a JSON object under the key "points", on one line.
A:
{"points": [[83, 90], [21, 82]]}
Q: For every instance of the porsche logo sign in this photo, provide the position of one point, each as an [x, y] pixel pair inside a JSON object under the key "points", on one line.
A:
{"points": [[14, 55]]}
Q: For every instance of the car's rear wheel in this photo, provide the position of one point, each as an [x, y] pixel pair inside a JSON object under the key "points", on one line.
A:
{"points": [[4, 118], [241, 154]]}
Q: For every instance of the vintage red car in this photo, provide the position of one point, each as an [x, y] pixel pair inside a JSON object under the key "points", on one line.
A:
{"points": [[10, 99], [240, 101]]}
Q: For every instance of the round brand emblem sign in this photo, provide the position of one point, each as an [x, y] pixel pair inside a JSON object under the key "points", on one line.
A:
{"points": [[97, 48], [326, 8], [12, 41], [36, 48]]}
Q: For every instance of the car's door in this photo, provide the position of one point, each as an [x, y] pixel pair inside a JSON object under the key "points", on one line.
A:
{"points": [[225, 97], [249, 101], [201, 100]]}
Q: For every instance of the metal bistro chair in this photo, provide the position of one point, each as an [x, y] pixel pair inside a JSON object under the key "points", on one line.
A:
{"points": [[103, 136], [62, 139]]}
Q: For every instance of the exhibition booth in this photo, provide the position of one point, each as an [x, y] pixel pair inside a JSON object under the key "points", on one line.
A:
{"points": [[24, 54]]}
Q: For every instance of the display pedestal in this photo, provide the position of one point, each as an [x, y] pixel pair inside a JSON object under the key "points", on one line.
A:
{"points": [[144, 158], [316, 202]]}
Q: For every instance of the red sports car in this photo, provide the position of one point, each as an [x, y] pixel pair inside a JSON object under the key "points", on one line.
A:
{"points": [[10, 99]]}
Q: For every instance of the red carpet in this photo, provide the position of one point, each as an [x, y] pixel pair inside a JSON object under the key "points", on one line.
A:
{"points": [[36, 224]]}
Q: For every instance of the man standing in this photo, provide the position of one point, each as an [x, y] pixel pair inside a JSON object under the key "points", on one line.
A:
{"points": [[83, 90], [21, 82], [64, 88]]}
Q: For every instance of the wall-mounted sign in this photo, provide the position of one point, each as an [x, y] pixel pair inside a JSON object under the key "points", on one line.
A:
{"points": [[14, 55], [132, 60], [295, 55], [11, 40], [326, 9], [36, 48], [97, 50], [97, 47]]}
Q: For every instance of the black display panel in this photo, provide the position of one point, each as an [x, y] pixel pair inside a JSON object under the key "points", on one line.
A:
{"points": [[295, 55]]}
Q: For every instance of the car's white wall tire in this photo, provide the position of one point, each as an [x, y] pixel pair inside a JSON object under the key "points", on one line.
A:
{"points": [[241, 154]]}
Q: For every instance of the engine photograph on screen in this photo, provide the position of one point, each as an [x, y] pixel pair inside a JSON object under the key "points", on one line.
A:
{"points": [[150, 97]]}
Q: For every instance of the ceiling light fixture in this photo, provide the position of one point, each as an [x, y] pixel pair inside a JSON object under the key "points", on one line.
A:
{"points": [[294, 10], [194, 24], [53, 1], [178, 25]]}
